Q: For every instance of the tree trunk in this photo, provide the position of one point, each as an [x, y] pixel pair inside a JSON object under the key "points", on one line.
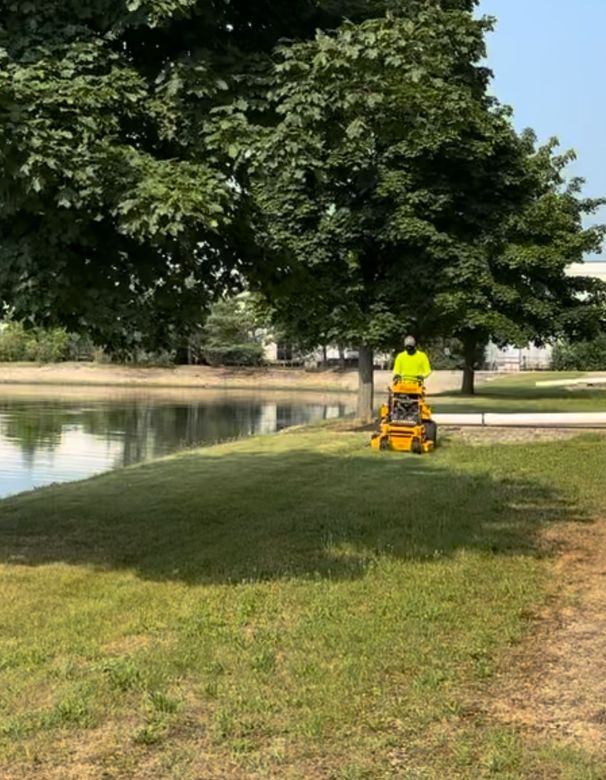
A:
{"points": [[365, 384], [342, 358], [469, 369], [324, 356]]}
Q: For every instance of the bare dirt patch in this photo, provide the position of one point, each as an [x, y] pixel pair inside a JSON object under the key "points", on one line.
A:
{"points": [[99, 374], [555, 684], [269, 377]]}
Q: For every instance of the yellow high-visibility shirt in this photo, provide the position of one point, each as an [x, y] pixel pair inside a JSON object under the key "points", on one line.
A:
{"points": [[412, 365]]}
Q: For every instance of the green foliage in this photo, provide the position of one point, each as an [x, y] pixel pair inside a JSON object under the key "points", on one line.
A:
{"points": [[118, 215], [14, 342], [512, 286], [234, 355], [580, 356], [342, 155], [231, 334], [44, 346], [122, 674], [387, 157], [445, 354], [49, 346], [396, 194], [163, 358]]}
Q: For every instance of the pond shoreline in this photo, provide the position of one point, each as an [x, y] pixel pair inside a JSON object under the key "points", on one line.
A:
{"points": [[51, 434], [203, 377], [181, 377]]}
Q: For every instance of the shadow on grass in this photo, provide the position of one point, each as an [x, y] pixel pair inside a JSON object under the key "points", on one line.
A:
{"points": [[255, 516]]}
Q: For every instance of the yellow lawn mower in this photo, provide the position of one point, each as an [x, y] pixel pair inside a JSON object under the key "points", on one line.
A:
{"points": [[405, 422]]}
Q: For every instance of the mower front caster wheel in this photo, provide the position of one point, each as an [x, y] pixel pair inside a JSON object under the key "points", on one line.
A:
{"points": [[431, 431], [416, 446]]}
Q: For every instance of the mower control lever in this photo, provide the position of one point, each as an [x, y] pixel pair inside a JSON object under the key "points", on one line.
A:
{"points": [[399, 378]]}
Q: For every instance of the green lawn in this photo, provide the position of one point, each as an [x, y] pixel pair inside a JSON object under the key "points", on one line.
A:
{"points": [[520, 394], [289, 606]]}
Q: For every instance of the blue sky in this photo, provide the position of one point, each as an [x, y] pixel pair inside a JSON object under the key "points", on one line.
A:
{"points": [[549, 61]]}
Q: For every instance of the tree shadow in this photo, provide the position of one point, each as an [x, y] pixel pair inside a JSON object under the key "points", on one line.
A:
{"points": [[263, 515]]}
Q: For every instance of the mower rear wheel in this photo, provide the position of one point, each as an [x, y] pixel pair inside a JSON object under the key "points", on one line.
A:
{"points": [[416, 446], [431, 431], [384, 444]]}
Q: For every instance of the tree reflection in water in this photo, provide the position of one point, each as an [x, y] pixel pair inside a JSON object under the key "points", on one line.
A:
{"points": [[57, 438]]}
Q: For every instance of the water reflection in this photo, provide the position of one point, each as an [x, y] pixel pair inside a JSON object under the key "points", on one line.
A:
{"points": [[47, 438]]}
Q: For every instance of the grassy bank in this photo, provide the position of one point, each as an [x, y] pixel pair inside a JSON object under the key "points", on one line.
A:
{"points": [[519, 393], [291, 606]]}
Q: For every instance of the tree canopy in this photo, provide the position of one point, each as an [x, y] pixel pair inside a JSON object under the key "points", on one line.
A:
{"points": [[115, 214], [512, 286], [342, 156], [396, 194], [388, 162]]}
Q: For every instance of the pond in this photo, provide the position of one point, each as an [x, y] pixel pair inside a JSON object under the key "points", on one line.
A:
{"points": [[49, 436]]}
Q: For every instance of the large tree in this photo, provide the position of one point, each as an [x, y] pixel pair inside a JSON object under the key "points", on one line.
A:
{"points": [[512, 286], [115, 215], [389, 157]]}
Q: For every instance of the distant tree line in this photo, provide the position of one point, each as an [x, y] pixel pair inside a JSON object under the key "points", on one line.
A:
{"points": [[233, 333]]}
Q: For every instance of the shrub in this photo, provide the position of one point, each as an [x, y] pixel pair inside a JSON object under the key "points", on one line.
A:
{"points": [[48, 346], [14, 342], [43, 346], [161, 358], [231, 336], [137, 356], [234, 355], [581, 355]]}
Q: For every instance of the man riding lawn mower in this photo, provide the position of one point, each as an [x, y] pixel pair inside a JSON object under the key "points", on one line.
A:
{"points": [[405, 422]]}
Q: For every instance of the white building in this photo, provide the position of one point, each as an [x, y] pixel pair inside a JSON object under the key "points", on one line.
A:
{"points": [[597, 270], [533, 358]]}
